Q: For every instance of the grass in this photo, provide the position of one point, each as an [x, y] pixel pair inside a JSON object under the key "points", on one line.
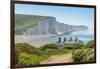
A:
{"points": [[27, 21], [29, 59], [49, 47], [22, 22], [28, 55], [58, 52]]}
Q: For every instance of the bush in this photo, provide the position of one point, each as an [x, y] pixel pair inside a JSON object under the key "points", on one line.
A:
{"points": [[49, 46], [90, 54], [90, 44], [83, 55], [79, 56], [74, 46], [78, 46]]}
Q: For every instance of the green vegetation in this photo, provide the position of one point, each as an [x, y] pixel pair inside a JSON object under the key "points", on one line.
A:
{"points": [[49, 46], [74, 46], [52, 49], [58, 52], [83, 55], [24, 47], [29, 59], [90, 44], [22, 21], [29, 55]]}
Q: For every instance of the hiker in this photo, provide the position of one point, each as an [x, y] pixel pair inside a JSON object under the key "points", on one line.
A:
{"points": [[59, 39], [76, 39], [64, 39], [70, 39]]}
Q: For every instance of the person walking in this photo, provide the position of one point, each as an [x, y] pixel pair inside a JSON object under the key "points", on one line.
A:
{"points": [[64, 39], [59, 39]]}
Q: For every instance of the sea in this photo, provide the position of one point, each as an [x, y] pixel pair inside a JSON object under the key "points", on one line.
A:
{"points": [[54, 38]]}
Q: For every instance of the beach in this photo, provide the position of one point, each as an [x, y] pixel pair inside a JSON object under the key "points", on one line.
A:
{"points": [[28, 39], [40, 40]]}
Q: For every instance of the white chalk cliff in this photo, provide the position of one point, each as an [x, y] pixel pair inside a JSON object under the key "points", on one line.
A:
{"points": [[29, 25]]}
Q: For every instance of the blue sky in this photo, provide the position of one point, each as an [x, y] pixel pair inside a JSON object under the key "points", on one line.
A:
{"points": [[67, 15]]}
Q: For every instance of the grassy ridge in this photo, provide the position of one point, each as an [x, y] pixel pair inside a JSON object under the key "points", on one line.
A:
{"points": [[28, 55], [23, 21]]}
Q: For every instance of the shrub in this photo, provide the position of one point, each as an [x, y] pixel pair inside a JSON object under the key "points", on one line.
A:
{"points": [[78, 46], [49, 46], [90, 44], [83, 55], [74, 46], [79, 56], [24, 47], [90, 54]]}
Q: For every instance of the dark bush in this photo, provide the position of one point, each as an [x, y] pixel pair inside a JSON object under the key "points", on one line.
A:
{"points": [[90, 44], [49, 46], [83, 55], [79, 56]]}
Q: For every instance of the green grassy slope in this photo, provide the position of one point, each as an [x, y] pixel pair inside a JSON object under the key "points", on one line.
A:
{"points": [[23, 21]]}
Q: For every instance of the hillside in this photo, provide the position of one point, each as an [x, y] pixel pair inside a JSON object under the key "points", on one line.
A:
{"points": [[26, 21]]}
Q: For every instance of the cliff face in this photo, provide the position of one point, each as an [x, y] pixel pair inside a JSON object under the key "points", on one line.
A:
{"points": [[43, 25]]}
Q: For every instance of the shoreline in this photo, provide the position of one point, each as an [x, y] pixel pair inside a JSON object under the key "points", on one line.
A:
{"points": [[28, 39]]}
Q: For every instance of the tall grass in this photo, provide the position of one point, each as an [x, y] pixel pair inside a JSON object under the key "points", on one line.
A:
{"points": [[29, 59]]}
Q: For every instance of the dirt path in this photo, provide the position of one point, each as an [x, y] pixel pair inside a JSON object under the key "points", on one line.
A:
{"points": [[58, 59]]}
